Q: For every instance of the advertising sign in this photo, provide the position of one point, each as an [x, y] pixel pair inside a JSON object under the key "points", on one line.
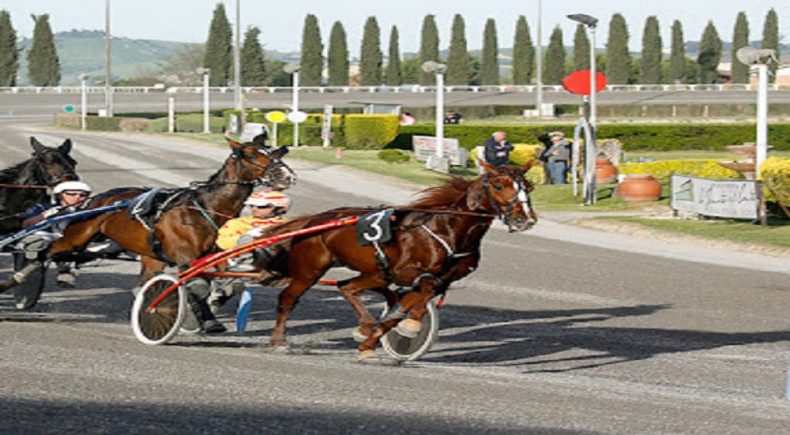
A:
{"points": [[737, 199], [425, 146]]}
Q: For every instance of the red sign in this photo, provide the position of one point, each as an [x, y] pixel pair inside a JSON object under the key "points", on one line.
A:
{"points": [[578, 82]]}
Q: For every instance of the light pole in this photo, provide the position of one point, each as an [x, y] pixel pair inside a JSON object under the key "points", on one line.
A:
{"points": [[294, 69], [237, 61], [206, 72], [107, 76], [759, 59], [438, 161], [590, 138], [83, 102], [539, 55]]}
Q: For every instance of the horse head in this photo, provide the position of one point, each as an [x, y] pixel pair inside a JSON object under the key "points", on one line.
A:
{"points": [[260, 164], [505, 192], [53, 165]]}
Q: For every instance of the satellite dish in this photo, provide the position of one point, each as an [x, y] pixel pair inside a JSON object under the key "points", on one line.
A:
{"points": [[429, 66], [752, 56]]}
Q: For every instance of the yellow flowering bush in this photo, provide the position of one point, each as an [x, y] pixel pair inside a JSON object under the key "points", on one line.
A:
{"points": [[662, 169], [775, 171]]}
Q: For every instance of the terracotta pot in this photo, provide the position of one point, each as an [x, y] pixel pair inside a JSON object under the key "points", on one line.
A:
{"points": [[639, 188], [605, 172]]}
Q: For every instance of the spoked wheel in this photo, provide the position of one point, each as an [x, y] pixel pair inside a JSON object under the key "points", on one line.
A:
{"points": [[162, 324], [409, 349], [27, 293]]}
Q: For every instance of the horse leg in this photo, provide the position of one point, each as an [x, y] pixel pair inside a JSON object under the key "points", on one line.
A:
{"points": [[351, 290], [412, 300], [149, 267], [286, 302]]}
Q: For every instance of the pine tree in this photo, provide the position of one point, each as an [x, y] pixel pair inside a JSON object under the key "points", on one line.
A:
{"points": [[312, 53], [523, 53], [393, 63], [709, 54], [429, 48], [370, 58], [740, 39], [581, 49], [459, 68], [42, 59], [650, 66], [618, 60], [9, 55], [554, 67], [489, 68], [219, 49], [771, 40], [677, 57], [253, 65], [337, 56]]}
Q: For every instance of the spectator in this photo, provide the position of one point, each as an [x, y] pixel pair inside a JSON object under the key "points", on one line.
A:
{"points": [[452, 118], [497, 149], [557, 157], [407, 119]]}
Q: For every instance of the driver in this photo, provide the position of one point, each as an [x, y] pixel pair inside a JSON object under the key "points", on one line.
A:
{"points": [[67, 197]]}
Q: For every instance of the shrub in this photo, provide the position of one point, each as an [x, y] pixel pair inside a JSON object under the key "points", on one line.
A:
{"points": [[393, 156], [158, 125], [522, 152], [370, 131], [662, 170], [103, 123], [134, 124], [71, 120], [775, 171]]}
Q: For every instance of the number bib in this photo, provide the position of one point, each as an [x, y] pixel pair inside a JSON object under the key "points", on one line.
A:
{"points": [[375, 227]]}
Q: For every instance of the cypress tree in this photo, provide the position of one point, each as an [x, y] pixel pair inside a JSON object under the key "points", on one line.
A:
{"points": [[393, 64], [370, 58], [740, 39], [677, 58], [650, 67], [253, 65], [709, 54], [489, 68], [9, 55], [42, 59], [312, 62], [429, 48], [219, 49], [337, 56], [618, 60], [581, 49], [523, 53], [554, 67], [771, 40], [459, 68]]}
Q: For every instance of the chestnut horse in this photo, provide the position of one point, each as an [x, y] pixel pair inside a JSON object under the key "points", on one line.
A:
{"points": [[25, 184], [435, 241], [187, 227]]}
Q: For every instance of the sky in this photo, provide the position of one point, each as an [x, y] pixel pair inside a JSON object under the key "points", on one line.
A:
{"points": [[281, 22]]}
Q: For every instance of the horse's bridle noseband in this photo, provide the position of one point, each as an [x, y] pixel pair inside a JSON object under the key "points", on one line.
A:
{"points": [[274, 163], [506, 212]]}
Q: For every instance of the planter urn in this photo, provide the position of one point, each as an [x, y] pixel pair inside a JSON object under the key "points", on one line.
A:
{"points": [[639, 187]]}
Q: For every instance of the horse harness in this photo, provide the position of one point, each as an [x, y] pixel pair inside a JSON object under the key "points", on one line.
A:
{"points": [[240, 158]]}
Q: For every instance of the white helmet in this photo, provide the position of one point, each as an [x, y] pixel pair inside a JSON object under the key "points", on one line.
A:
{"points": [[273, 198], [71, 185]]}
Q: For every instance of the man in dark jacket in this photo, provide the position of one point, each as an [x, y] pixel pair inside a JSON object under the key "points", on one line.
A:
{"points": [[497, 149]]}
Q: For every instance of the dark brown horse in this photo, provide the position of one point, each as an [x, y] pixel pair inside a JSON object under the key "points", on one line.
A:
{"points": [[187, 227], [435, 241], [25, 184]]}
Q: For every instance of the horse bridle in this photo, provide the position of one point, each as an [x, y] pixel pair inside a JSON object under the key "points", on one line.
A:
{"points": [[274, 163], [507, 211], [41, 169]]}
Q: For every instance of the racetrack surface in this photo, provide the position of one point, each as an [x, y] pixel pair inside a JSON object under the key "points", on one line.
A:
{"points": [[561, 330]]}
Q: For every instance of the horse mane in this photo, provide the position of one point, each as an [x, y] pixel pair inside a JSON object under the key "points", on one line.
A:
{"points": [[444, 195], [10, 174]]}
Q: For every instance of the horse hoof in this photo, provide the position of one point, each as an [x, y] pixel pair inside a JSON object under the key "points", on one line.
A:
{"points": [[280, 348], [368, 356], [408, 328], [358, 336]]}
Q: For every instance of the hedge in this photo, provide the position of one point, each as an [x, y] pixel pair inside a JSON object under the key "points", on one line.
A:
{"points": [[187, 123], [103, 123], [775, 172], [662, 169], [655, 137], [365, 132]]}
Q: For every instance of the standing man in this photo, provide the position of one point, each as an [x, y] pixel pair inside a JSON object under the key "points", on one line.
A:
{"points": [[497, 149], [557, 157]]}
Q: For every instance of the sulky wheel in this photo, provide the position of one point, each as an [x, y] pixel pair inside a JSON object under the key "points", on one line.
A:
{"points": [[162, 324], [409, 349]]}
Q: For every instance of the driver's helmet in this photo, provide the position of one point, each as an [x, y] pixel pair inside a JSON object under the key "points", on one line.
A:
{"points": [[273, 198], [68, 186]]}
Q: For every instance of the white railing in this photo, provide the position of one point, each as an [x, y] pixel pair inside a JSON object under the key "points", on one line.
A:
{"points": [[502, 89]]}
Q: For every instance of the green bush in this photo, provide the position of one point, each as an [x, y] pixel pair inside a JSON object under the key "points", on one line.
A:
{"points": [[370, 131], [393, 156], [188, 123], [103, 123]]}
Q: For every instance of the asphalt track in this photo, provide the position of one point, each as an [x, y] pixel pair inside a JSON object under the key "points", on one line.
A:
{"points": [[562, 330]]}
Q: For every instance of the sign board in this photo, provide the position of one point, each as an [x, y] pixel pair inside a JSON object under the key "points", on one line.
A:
{"points": [[425, 147], [297, 117], [578, 82], [326, 125], [275, 116], [252, 129], [737, 199], [68, 108]]}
